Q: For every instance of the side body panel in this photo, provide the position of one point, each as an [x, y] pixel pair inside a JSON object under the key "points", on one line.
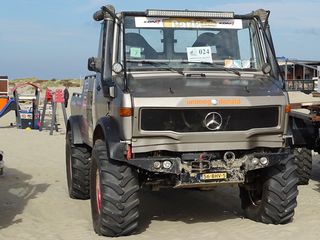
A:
{"points": [[75, 124], [305, 132]]}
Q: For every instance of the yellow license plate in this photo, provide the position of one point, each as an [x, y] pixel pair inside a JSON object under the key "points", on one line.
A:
{"points": [[213, 176]]}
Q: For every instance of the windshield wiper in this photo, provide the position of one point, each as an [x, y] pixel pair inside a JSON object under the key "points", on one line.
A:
{"points": [[218, 67], [157, 64]]}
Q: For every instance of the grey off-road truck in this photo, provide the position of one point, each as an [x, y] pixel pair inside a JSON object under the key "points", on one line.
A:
{"points": [[181, 99]]}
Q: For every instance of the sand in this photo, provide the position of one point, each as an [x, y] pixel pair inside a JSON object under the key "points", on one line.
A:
{"points": [[34, 203]]}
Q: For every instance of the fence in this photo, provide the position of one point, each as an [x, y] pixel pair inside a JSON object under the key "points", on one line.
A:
{"points": [[306, 86]]}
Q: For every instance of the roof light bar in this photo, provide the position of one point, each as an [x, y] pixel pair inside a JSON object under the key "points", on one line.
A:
{"points": [[196, 14]]}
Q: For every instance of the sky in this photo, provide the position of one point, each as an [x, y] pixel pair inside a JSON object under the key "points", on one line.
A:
{"points": [[54, 38]]}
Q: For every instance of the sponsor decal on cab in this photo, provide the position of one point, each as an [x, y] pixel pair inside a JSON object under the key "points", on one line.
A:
{"points": [[213, 102]]}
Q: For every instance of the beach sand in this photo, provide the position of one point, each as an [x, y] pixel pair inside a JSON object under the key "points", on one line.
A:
{"points": [[34, 202]]}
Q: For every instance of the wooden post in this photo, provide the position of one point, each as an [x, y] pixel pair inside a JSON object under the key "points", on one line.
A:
{"points": [[43, 113], [36, 109], [54, 118], [64, 114], [48, 99], [18, 117], [57, 98]]}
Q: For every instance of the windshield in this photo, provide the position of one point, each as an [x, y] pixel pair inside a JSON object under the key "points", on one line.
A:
{"points": [[191, 44]]}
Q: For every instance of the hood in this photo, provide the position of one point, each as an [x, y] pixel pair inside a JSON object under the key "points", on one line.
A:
{"points": [[186, 86]]}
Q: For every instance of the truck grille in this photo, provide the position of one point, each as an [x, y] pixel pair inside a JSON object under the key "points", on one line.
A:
{"points": [[193, 120]]}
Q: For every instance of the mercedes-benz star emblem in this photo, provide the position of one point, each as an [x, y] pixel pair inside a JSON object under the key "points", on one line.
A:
{"points": [[213, 121]]}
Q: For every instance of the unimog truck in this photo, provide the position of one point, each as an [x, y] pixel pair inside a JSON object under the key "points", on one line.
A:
{"points": [[181, 99]]}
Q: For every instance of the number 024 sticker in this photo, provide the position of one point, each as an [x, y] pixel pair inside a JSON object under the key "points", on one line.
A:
{"points": [[199, 54]]}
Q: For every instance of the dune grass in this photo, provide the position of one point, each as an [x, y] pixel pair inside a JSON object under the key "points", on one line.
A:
{"points": [[47, 83]]}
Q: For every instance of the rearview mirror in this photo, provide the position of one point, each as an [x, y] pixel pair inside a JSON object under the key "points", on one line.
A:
{"points": [[94, 64]]}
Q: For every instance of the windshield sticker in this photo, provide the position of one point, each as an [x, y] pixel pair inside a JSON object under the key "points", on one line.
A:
{"points": [[135, 52], [228, 63], [199, 54], [245, 63], [207, 23], [151, 22]]}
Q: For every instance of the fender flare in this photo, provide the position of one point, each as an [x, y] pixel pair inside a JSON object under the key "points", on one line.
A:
{"points": [[303, 130], [108, 129], [74, 125]]}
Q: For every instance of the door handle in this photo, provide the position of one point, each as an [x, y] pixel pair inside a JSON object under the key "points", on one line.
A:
{"points": [[98, 88]]}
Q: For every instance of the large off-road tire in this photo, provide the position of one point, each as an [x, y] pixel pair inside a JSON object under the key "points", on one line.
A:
{"points": [[78, 169], [272, 195], [114, 194], [304, 164]]}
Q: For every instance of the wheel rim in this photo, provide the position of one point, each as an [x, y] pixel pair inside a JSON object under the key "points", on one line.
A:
{"points": [[255, 202], [98, 192], [255, 195]]}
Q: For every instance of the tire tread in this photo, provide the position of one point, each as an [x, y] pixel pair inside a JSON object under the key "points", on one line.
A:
{"points": [[80, 179], [303, 157], [279, 195], [119, 213]]}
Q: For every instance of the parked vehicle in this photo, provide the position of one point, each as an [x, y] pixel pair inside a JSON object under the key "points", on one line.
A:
{"points": [[181, 99]]}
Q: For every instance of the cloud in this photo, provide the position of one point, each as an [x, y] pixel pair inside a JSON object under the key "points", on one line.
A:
{"points": [[284, 14], [309, 31], [294, 24], [26, 32], [92, 5]]}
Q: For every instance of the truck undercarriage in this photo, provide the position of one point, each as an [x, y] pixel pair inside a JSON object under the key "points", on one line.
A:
{"points": [[194, 170]]}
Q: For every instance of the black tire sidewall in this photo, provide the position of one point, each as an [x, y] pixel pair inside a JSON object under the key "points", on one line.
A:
{"points": [[278, 197], [303, 158], [77, 169], [95, 165], [119, 186], [69, 161]]}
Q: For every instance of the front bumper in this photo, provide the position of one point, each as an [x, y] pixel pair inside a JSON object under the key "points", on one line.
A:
{"points": [[190, 173]]}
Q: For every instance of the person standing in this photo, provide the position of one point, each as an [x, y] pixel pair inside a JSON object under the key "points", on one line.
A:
{"points": [[66, 96]]}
